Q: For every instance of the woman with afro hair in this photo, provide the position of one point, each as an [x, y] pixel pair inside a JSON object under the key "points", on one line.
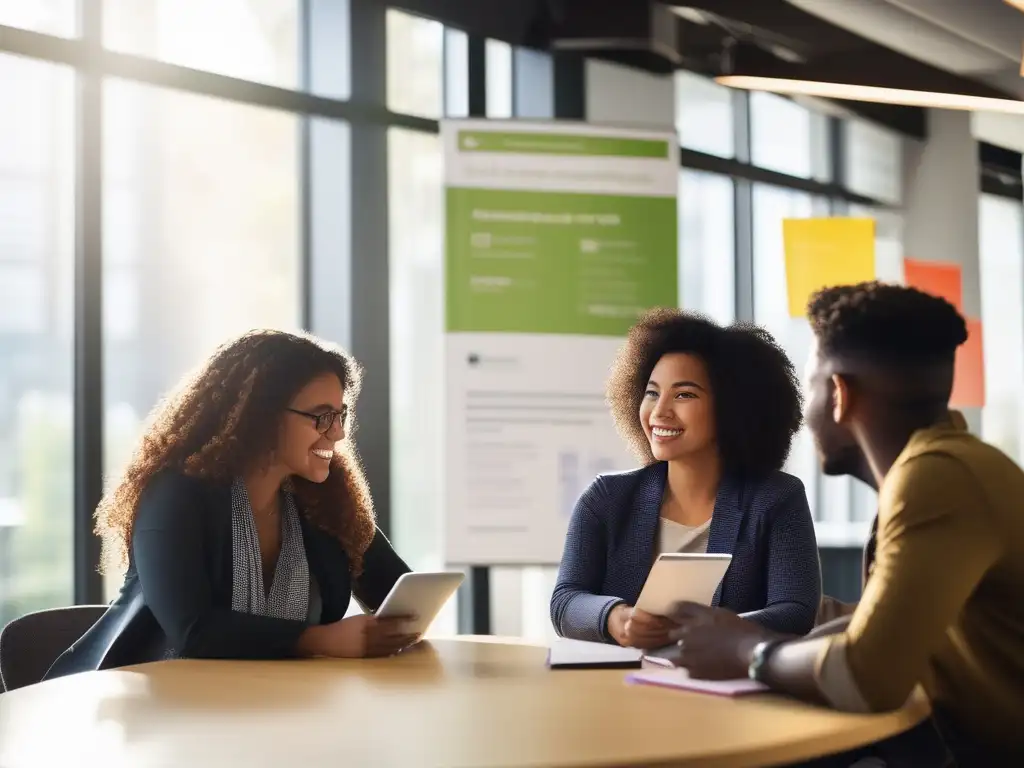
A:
{"points": [[711, 413]]}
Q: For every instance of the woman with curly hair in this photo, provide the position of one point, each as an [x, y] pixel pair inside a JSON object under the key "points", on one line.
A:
{"points": [[711, 413], [245, 520]]}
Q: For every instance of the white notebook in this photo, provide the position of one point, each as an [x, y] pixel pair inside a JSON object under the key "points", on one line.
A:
{"points": [[564, 653]]}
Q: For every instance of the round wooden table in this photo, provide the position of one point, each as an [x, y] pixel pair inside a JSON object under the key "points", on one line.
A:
{"points": [[474, 702]]}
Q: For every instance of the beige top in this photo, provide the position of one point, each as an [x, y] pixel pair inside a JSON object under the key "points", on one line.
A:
{"points": [[676, 537], [456, 703]]}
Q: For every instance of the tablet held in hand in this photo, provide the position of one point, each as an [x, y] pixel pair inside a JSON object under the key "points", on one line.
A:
{"points": [[679, 577], [419, 597]]}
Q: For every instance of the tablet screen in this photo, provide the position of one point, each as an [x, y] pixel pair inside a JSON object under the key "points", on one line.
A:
{"points": [[677, 577], [421, 595]]}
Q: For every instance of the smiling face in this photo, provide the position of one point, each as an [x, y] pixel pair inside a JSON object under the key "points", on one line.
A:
{"points": [[677, 412], [302, 448]]}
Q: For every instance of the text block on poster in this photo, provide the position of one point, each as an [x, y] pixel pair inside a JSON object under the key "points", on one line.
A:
{"points": [[969, 377], [825, 252], [943, 280]]}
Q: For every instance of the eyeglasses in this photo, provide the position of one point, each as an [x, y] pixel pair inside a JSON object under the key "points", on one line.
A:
{"points": [[324, 421]]}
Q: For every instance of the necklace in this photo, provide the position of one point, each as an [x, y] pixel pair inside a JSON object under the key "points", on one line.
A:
{"points": [[270, 509]]}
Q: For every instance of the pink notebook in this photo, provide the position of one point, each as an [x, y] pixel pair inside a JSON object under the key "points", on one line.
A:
{"points": [[680, 678]]}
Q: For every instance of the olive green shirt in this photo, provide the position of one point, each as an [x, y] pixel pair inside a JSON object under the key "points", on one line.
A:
{"points": [[944, 606]]}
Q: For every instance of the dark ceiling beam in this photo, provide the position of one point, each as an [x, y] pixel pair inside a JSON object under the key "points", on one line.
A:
{"points": [[828, 53], [506, 20], [806, 32]]}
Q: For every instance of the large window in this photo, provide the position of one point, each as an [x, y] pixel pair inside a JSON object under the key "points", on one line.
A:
{"points": [[498, 62], [704, 115], [417, 349], [873, 162], [456, 73], [201, 242], [416, 283], [1001, 228], [415, 65], [37, 242], [771, 309], [788, 137], [54, 17], [250, 39], [707, 245], [415, 248]]}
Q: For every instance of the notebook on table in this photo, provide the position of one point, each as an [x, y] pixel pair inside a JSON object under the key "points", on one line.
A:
{"points": [[680, 679], [579, 654]]}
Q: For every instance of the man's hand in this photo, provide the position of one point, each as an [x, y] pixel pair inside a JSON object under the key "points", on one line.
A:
{"points": [[713, 643]]}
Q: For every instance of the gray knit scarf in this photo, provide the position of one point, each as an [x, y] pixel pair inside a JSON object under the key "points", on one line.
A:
{"points": [[288, 597]]}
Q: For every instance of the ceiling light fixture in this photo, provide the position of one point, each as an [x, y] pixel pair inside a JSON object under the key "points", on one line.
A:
{"points": [[876, 94], [1018, 4]]}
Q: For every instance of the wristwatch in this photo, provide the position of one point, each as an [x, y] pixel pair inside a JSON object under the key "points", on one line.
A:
{"points": [[759, 658]]}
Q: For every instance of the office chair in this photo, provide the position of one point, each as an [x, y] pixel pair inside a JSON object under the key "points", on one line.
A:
{"points": [[30, 644]]}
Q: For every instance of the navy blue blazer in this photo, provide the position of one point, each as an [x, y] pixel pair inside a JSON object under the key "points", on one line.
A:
{"points": [[774, 577]]}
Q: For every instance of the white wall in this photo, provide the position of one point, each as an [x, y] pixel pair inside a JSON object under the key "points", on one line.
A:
{"points": [[942, 185], [1002, 130], [626, 96]]}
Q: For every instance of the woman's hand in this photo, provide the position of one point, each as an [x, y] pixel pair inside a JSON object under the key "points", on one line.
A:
{"points": [[357, 637], [633, 628]]}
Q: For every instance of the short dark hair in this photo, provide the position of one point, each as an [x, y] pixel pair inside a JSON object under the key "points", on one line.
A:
{"points": [[888, 323], [755, 388]]}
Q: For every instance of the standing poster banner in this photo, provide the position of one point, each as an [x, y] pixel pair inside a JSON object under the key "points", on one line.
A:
{"points": [[557, 237]]}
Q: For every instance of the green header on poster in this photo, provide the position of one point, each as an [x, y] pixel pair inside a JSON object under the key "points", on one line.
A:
{"points": [[535, 143], [555, 262]]}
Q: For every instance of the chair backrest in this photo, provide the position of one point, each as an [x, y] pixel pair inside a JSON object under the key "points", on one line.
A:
{"points": [[29, 645]]}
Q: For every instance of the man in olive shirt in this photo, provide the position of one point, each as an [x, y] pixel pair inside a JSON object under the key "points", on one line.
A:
{"points": [[842, 456], [944, 607]]}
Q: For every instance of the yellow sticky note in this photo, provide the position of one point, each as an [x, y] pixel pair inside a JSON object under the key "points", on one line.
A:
{"points": [[825, 252]]}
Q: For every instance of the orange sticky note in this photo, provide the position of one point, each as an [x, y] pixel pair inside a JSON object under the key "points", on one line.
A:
{"points": [[943, 280], [824, 252], [969, 376]]}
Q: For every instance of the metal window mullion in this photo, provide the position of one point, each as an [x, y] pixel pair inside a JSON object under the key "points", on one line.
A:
{"points": [[88, 313], [474, 606], [743, 211], [369, 309], [305, 169]]}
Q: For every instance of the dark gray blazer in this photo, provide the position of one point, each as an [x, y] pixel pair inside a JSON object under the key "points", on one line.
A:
{"points": [[176, 598], [774, 577]]}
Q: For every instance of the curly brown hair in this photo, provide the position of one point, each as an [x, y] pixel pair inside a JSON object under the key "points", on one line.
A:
{"points": [[214, 425], [758, 404]]}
